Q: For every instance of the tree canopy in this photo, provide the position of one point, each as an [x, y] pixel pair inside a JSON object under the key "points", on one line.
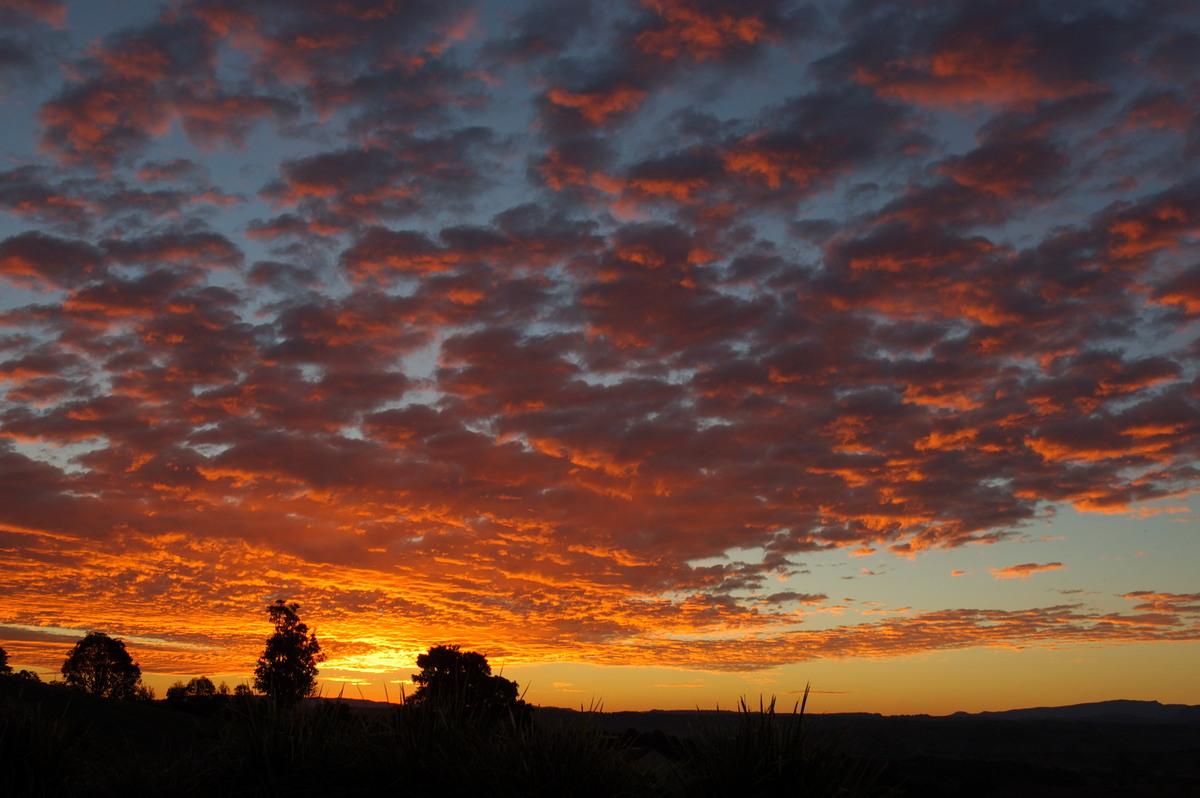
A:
{"points": [[287, 669], [199, 687], [100, 665], [4, 666], [464, 679]]}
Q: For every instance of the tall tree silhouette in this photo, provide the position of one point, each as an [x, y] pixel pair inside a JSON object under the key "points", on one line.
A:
{"points": [[287, 669], [99, 664], [4, 666]]}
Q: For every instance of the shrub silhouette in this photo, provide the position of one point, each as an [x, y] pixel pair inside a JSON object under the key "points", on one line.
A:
{"points": [[100, 665], [463, 681], [287, 669]]}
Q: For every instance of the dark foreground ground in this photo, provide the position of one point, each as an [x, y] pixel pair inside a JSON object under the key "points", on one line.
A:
{"points": [[1112, 748], [54, 742]]}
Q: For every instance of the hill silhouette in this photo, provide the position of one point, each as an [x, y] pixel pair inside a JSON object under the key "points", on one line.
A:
{"points": [[1104, 748], [1118, 711]]}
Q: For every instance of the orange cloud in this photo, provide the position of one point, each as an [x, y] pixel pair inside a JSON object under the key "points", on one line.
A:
{"points": [[1024, 570], [597, 106], [699, 32], [973, 68]]}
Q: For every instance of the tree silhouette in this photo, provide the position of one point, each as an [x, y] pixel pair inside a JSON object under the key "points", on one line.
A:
{"points": [[200, 687], [464, 679], [4, 666], [100, 665], [287, 669]]}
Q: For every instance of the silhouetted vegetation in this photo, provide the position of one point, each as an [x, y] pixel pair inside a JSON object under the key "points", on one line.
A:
{"points": [[100, 665], [287, 669], [58, 742], [197, 693], [768, 754], [6, 669], [462, 681], [464, 731]]}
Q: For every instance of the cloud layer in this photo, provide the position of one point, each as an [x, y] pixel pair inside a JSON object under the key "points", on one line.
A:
{"points": [[525, 325]]}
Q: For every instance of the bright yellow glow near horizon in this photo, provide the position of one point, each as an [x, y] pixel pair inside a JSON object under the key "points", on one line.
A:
{"points": [[937, 683]]}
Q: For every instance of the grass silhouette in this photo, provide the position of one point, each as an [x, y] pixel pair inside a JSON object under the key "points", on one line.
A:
{"points": [[56, 742]]}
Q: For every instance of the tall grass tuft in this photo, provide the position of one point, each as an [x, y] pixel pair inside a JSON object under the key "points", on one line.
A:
{"points": [[271, 748], [767, 753], [580, 761]]}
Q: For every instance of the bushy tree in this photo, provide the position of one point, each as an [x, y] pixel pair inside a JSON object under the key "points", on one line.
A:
{"points": [[202, 686], [99, 664], [287, 669], [4, 666], [464, 679], [199, 687]]}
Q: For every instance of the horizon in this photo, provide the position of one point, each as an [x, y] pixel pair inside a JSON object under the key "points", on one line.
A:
{"points": [[663, 351], [783, 701], [626, 685]]}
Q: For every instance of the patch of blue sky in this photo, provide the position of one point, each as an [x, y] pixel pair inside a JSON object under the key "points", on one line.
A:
{"points": [[1103, 558], [63, 456]]}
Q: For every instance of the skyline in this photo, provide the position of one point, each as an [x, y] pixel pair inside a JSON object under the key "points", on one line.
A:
{"points": [[661, 351]]}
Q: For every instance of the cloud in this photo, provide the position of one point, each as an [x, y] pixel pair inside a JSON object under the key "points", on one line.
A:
{"points": [[565, 326], [40, 260], [1179, 604], [78, 204], [968, 54], [1024, 570], [52, 12], [28, 42], [1183, 291], [649, 634], [704, 30], [349, 188]]}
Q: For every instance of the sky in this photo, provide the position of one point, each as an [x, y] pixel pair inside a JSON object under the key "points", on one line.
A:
{"points": [[664, 351]]}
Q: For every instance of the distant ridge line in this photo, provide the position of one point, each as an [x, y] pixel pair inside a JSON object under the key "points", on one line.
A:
{"points": [[1115, 711], [1112, 711]]}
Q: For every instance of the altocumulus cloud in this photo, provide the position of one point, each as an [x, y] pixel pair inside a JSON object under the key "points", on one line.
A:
{"points": [[562, 328]]}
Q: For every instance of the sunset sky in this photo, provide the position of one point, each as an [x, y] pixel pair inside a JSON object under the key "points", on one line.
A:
{"points": [[664, 351]]}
